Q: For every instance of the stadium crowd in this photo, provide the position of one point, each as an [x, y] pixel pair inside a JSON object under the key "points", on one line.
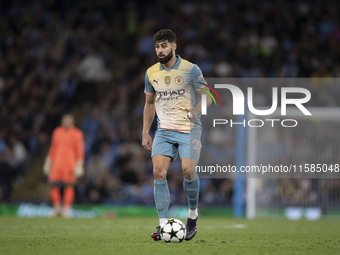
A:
{"points": [[59, 56]]}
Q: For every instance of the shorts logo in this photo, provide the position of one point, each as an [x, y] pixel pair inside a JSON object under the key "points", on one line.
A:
{"points": [[196, 145], [179, 80], [167, 79]]}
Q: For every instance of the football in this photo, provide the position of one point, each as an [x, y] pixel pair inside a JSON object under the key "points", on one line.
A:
{"points": [[173, 231]]}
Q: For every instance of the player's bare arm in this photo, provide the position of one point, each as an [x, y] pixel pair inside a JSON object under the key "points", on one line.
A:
{"points": [[148, 116]]}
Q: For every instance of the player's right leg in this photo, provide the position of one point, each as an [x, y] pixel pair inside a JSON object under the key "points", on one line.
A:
{"points": [[54, 179], [55, 197], [163, 151], [161, 190]]}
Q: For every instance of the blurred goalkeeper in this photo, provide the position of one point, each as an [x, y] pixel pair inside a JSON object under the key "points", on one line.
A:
{"points": [[64, 163]]}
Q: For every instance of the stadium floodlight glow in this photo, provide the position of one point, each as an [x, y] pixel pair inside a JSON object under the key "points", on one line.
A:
{"points": [[238, 100]]}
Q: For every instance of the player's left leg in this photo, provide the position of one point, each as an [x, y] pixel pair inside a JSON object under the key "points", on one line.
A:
{"points": [[68, 199], [189, 151], [191, 185], [69, 180], [54, 179]]}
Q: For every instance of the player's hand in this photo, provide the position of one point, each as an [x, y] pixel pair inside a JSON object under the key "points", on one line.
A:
{"points": [[191, 115], [147, 142], [47, 166], [79, 171]]}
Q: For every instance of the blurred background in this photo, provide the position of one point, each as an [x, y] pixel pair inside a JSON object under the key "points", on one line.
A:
{"points": [[90, 57]]}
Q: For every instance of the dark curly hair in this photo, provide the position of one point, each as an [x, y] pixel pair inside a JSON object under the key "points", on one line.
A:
{"points": [[165, 34]]}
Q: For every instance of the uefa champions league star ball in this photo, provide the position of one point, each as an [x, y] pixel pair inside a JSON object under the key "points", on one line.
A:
{"points": [[173, 231]]}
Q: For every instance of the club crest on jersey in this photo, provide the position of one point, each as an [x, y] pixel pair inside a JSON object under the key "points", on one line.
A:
{"points": [[179, 80], [167, 79]]}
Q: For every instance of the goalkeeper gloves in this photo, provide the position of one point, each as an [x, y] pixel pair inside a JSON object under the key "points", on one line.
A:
{"points": [[79, 171], [47, 166]]}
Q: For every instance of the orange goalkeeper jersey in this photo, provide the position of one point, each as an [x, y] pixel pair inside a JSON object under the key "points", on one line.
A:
{"points": [[66, 149]]}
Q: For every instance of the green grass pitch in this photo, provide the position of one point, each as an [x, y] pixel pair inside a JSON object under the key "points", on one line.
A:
{"points": [[131, 235]]}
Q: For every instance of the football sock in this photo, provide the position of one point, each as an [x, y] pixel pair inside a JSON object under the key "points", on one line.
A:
{"points": [[193, 214], [191, 189], [68, 197], [55, 196], [161, 220], [162, 198]]}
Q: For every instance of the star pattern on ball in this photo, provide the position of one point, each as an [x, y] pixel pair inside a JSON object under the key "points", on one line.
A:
{"points": [[173, 233]]}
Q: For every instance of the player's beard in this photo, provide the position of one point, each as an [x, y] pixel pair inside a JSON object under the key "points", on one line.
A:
{"points": [[166, 59]]}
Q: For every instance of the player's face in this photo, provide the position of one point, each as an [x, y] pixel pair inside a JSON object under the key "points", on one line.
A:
{"points": [[67, 121], [164, 51]]}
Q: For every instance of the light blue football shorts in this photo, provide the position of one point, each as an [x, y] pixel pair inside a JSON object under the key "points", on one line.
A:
{"points": [[172, 142]]}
